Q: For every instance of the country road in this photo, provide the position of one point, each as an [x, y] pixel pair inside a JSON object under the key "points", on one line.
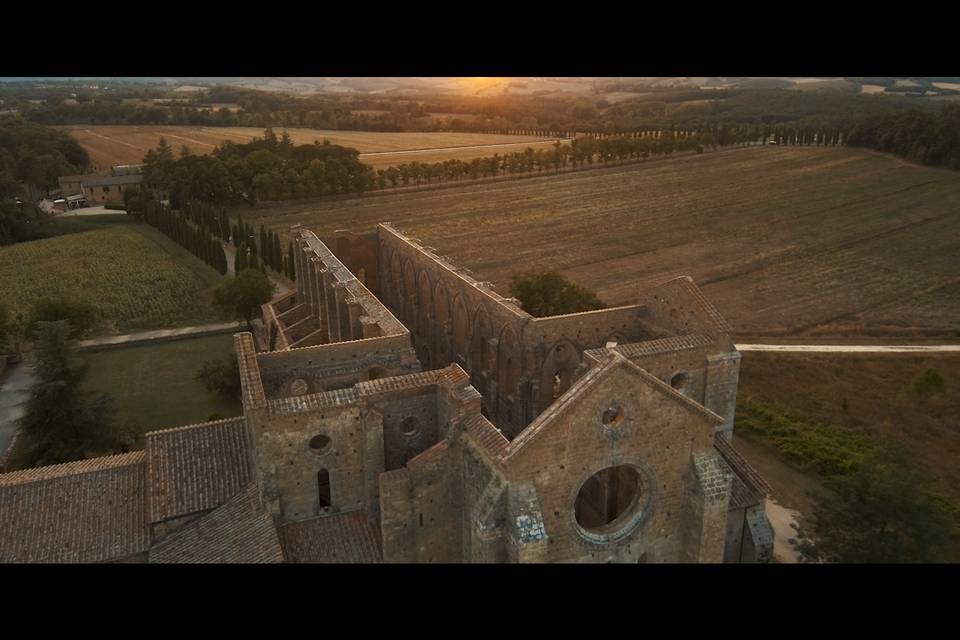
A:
{"points": [[852, 348]]}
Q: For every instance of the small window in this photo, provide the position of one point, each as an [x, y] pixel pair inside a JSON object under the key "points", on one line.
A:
{"points": [[323, 487], [319, 444], [410, 427], [612, 416], [680, 380]]}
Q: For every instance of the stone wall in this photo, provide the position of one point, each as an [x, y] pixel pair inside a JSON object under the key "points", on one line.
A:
{"points": [[652, 433]]}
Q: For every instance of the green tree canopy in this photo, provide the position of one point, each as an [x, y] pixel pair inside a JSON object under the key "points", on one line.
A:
{"points": [[82, 316], [242, 296], [221, 376], [62, 423], [550, 294], [882, 512], [5, 327]]}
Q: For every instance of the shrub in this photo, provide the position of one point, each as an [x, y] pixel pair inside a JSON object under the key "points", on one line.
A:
{"points": [[928, 382], [827, 449], [883, 511], [221, 376], [82, 316], [550, 294]]}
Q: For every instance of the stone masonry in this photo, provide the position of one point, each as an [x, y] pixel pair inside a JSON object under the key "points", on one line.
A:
{"points": [[435, 421]]}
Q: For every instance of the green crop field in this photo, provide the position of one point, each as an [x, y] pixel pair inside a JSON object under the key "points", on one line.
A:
{"points": [[153, 385], [136, 277], [784, 240]]}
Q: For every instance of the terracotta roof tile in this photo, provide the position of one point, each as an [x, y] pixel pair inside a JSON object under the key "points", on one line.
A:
{"points": [[87, 511], [197, 467], [636, 350], [239, 531], [341, 538], [749, 487], [311, 402]]}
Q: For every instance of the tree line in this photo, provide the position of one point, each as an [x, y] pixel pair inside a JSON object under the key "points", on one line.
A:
{"points": [[268, 168], [919, 136], [260, 251], [179, 227], [32, 157]]}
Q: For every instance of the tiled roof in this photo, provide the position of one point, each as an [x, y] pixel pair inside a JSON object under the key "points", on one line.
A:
{"points": [[87, 511], [397, 383], [749, 487], [97, 181], [634, 350], [486, 435], [311, 402], [197, 467], [742, 496], [240, 531], [340, 538]]}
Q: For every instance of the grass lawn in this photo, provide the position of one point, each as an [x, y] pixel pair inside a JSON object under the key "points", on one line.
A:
{"points": [[153, 385]]}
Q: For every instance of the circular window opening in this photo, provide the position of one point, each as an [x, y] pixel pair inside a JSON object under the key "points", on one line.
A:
{"points": [[610, 502], [299, 387], [679, 380], [410, 427], [319, 444], [612, 416]]}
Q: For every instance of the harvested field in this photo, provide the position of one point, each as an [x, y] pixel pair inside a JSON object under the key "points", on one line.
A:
{"points": [[126, 144], [392, 159], [136, 277], [868, 395], [785, 241]]}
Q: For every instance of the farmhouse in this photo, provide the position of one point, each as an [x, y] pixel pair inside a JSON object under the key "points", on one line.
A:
{"points": [[99, 189], [409, 413]]}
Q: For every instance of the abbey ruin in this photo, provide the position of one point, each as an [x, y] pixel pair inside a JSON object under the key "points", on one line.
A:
{"points": [[395, 409]]}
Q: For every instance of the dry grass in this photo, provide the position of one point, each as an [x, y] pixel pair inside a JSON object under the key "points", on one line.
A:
{"points": [[880, 401], [126, 144], [785, 241]]}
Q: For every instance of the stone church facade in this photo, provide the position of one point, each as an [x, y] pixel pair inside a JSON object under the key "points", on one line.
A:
{"points": [[399, 410]]}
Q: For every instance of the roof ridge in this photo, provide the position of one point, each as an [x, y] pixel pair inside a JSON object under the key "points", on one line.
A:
{"points": [[741, 467], [576, 391], [656, 346], [195, 425], [76, 467]]}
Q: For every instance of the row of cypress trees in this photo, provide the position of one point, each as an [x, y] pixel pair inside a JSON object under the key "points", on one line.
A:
{"points": [[177, 226]]}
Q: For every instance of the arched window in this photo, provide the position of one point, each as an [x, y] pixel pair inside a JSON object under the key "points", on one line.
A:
{"points": [[679, 381], [323, 488], [410, 427], [561, 382], [374, 373]]}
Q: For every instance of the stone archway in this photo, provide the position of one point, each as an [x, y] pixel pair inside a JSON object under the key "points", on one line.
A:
{"points": [[410, 296], [396, 281], [481, 363], [460, 328], [441, 312], [556, 373], [424, 309]]}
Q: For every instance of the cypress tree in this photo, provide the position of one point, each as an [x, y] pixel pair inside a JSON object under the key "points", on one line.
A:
{"points": [[277, 252], [291, 263]]}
